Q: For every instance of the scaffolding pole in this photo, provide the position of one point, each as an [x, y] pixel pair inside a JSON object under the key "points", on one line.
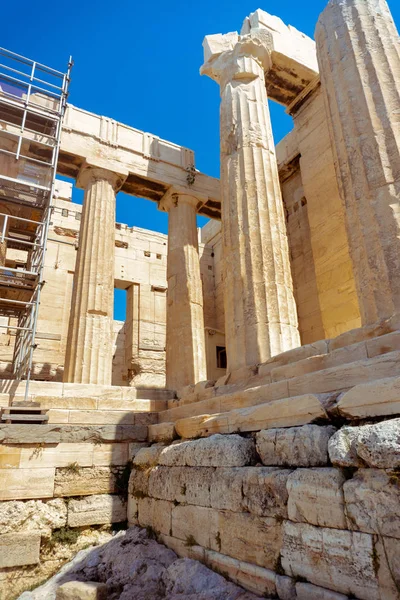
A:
{"points": [[33, 100]]}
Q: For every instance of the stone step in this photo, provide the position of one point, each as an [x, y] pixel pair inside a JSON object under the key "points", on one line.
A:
{"points": [[102, 417], [31, 418], [310, 358], [25, 434], [287, 412], [88, 403], [79, 390], [24, 409], [335, 379]]}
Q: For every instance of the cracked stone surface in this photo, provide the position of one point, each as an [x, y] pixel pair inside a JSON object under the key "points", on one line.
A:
{"points": [[133, 565]]}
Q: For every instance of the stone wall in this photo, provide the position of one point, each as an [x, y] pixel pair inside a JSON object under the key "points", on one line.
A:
{"points": [[61, 489], [338, 302], [306, 512]]}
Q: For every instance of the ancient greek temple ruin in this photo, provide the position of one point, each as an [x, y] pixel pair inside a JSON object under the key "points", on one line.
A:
{"points": [[246, 411]]}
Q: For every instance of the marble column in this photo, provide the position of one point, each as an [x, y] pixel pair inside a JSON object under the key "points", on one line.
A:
{"points": [[359, 57], [185, 345], [90, 336], [260, 310]]}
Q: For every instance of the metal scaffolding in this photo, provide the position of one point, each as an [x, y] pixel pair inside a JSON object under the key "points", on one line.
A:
{"points": [[33, 99]]}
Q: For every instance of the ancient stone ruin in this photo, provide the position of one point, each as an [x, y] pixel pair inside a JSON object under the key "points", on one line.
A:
{"points": [[246, 414]]}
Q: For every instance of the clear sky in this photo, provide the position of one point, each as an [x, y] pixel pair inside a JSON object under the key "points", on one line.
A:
{"points": [[138, 62]]}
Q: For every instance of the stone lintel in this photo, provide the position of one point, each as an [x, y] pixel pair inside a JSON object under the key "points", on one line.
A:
{"points": [[294, 107], [292, 62]]}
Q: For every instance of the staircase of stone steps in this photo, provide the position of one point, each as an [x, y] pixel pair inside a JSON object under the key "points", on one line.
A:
{"points": [[303, 386], [24, 413]]}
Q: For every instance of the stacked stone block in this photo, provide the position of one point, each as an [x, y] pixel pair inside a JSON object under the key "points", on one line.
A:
{"points": [[302, 512]]}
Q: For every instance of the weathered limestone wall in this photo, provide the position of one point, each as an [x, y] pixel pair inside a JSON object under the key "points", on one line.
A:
{"points": [[58, 496], [305, 512], [338, 303], [299, 238]]}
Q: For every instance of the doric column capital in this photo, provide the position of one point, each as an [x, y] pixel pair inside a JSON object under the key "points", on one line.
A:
{"points": [[232, 57], [92, 172], [176, 195]]}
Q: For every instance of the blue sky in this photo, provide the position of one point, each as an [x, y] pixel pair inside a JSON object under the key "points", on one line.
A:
{"points": [[138, 62]]}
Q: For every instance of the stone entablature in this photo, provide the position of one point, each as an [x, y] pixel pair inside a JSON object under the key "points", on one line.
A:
{"points": [[152, 165]]}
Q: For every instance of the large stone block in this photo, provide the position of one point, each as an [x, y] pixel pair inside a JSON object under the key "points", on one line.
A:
{"points": [[33, 516], [138, 486], [196, 525], [258, 490], [215, 451], [305, 446], [26, 434], [18, 484], [287, 412], [342, 561], [388, 563], [132, 511], [164, 483], [342, 447], [103, 433], [379, 445], [316, 497], [87, 481], [80, 590], [255, 540], [226, 491], [250, 576], [196, 485], [155, 514], [148, 457], [60, 455], [19, 549], [265, 491], [373, 399], [102, 417], [162, 432], [357, 374], [105, 455], [372, 500], [96, 510], [10, 457]]}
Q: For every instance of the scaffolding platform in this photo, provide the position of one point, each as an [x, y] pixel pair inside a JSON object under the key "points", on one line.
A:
{"points": [[33, 99]]}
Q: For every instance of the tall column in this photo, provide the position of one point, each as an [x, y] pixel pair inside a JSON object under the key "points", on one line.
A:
{"points": [[185, 345], [359, 56], [90, 335], [260, 310]]}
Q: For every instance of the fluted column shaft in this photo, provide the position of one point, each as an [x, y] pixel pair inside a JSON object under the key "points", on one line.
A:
{"points": [[260, 310], [185, 343], [90, 337], [359, 56]]}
